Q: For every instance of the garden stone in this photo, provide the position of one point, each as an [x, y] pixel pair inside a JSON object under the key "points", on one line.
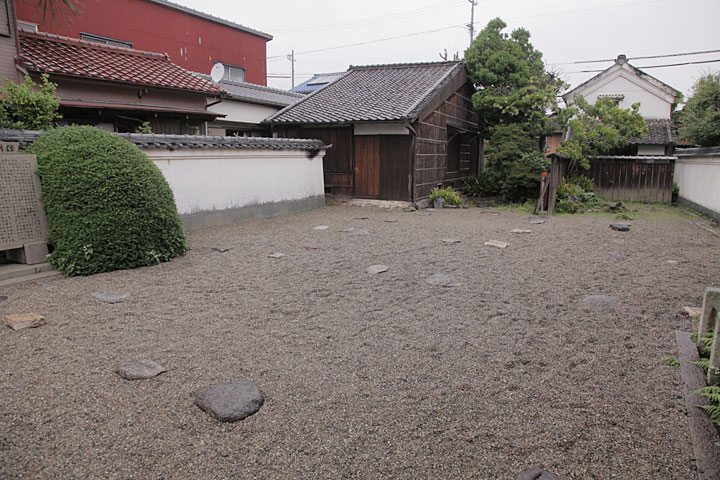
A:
{"points": [[520, 230], [692, 312], [449, 241], [19, 321], [261, 240], [491, 212], [442, 280], [429, 209], [221, 249], [3, 298], [537, 474], [347, 230], [376, 269], [309, 247], [321, 227], [276, 255], [620, 227], [390, 220], [537, 222], [601, 301], [423, 214], [139, 369], [439, 203], [496, 244], [112, 297], [230, 402], [363, 233], [361, 218]]}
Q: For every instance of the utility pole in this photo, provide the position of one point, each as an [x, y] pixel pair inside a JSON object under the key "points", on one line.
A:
{"points": [[291, 57], [471, 25]]}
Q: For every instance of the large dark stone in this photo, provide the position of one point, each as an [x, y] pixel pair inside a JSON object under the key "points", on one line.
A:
{"points": [[620, 227], [537, 474], [230, 402]]}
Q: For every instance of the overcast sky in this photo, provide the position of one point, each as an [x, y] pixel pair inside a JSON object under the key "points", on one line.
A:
{"points": [[564, 30]]}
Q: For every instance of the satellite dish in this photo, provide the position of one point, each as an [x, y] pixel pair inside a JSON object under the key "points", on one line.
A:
{"points": [[218, 72]]}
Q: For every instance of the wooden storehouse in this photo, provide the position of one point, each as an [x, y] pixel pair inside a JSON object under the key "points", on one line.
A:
{"points": [[396, 131]]}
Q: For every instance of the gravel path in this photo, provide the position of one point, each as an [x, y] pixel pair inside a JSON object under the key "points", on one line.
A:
{"points": [[368, 376]]}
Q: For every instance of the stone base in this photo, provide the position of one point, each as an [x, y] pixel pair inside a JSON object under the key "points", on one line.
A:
{"points": [[30, 253], [232, 216]]}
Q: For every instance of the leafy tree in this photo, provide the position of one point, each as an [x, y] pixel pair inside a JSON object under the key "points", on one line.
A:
{"points": [[598, 129], [509, 73], [700, 119], [29, 105]]}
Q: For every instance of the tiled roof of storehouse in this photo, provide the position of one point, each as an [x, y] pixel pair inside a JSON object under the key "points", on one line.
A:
{"points": [[54, 54], [249, 92], [373, 93], [660, 132]]}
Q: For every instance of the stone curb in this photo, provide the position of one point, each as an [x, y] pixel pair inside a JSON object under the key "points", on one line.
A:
{"points": [[703, 432]]}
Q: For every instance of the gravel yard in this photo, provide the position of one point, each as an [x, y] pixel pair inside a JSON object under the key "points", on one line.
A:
{"points": [[369, 376]]}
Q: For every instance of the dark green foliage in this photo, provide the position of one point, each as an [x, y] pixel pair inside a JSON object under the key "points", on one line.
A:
{"points": [[575, 195], [513, 86], [108, 205], [703, 363], [29, 105], [482, 184], [523, 178], [700, 119], [713, 410], [599, 128], [448, 194]]}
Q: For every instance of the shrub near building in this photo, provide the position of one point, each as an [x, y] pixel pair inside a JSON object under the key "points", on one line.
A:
{"points": [[108, 206]]}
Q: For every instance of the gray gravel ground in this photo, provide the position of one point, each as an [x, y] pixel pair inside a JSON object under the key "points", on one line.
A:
{"points": [[368, 376]]}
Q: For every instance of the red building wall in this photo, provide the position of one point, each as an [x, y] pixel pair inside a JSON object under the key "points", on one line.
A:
{"points": [[192, 42]]}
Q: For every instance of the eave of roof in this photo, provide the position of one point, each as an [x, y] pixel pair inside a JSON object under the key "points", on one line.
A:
{"points": [[79, 103], [211, 18]]}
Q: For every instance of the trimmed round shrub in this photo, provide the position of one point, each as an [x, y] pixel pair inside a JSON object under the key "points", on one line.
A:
{"points": [[108, 206]]}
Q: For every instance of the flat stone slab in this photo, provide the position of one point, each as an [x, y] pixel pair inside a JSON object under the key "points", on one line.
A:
{"points": [[361, 218], [18, 321], [601, 301], [520, 231], [261, 240], [390, 220], [277, 255], [347, 230], [362, 232], [310, 247], [537, 474], [442, 280], [139, 369], [692, 312], [376, 269], [536, 222], [230, 402], [496, 244], [321, 227], [450, 241], [620, 227], [3, 298], [112, 297], [221, 249]]}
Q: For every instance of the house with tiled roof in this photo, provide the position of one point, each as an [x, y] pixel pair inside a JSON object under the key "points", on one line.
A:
{"points": [[316, 82], [117, 88], [397, 130]]}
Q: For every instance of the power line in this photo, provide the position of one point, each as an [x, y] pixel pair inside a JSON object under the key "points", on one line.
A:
{"points": [[703, 52], [370, 41], [656, 66]]}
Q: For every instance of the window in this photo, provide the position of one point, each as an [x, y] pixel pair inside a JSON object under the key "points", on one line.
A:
{"points": [[233, 73], [105, 40]]}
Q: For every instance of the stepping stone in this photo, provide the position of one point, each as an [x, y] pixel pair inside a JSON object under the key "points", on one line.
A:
{"points": [[261, 240], [442, 280], [491, 212], [139, 369], [692, 312], [19, 321], [361, 218], [230, 402], [520, 230], [321, 227], [537, 222], [221, 249], [672, 262], [449, 241], [537, 474], [601, 301], [309, 247], [620, 227], [376, 269], [496, 244], [3, 298], [362, 233], [276, 255], [347, 230], [112, 297], [423, 214], [390, 220]]}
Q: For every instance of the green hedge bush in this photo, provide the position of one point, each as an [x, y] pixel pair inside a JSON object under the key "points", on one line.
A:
{"points": [[108, 206]]}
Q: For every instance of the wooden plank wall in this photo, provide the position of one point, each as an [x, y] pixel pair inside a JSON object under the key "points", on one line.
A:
{"points": [[395, 167], [633, 180], [338, 162], [431, 147]]}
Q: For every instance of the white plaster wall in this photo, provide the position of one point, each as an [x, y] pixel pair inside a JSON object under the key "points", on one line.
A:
{"points": [[206, 180], [242, 112], [699, 180], [381, 129]]}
